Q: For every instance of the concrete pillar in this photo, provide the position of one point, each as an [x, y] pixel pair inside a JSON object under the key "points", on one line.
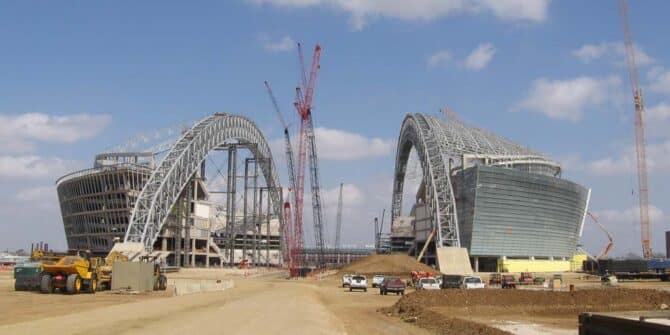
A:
{"points": [[551, 258], [164, 244], [532, 258], [192, 252], [476, 264]]}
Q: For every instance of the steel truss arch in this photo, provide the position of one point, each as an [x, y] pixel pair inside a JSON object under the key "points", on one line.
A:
{"points": [[416, 133], [172, 174]]}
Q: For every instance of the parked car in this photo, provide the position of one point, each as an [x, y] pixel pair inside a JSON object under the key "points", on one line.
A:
{"points": [[428, 284], [508, 281], [392, 284], [473, 282], [346, 280], [377, 280], [451, 281], [358, 282]]}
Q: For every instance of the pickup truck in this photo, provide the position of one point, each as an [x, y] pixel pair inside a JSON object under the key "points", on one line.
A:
{"points": [[358, 282], [472, 282], [508, 281], [392, 284], [377, 280], [428, 284], [451, 281]]}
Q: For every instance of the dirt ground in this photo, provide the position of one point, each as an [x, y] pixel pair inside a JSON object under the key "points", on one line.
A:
{"points": [[265, 302], [260, 304], [454, 311]]}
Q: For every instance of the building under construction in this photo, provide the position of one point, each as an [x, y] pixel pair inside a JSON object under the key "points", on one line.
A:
{"points": [[504, 203], [200, 227]]}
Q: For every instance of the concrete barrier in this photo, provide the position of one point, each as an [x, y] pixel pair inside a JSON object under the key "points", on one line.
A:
{"points": [[191, 286]]}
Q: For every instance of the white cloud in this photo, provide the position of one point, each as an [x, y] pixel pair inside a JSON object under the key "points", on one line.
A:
{"points": [[43, 195], [612, 50], [438, 58], [286, 43], [660, 81], [568, 99], [424, 10], [340, 145], [337, 144], [480, 57], [660, 112], [34, 167], [657, 121], [624, 163], [17, 132], [629, 215]]}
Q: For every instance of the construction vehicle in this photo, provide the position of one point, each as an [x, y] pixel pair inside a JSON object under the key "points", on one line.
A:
{"points": [[526, 278], [417, 275], [72, 274], [508, 281], [27, 276]]}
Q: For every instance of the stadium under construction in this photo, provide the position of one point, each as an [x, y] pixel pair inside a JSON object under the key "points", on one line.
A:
{"points": [[485, 201], [500, 205]]}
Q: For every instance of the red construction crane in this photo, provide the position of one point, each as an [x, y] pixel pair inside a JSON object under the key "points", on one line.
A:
{"points": [[606, 250], [291, 169], [640, 144], [303, 105]]}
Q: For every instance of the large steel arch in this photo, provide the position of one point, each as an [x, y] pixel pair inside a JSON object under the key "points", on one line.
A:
{"points": [[440, 142], [169, 179], [416, 133]]}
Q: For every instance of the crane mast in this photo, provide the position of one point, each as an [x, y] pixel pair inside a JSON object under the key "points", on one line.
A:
{"points": [[303, 105], [317, 210], [288, 230], [640, 144], [338, 229]]}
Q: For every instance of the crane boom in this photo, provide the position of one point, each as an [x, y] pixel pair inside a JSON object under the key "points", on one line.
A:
{"points": [[303, 105], [288, 148], [610, 243], [640, 144], [338, 229]]}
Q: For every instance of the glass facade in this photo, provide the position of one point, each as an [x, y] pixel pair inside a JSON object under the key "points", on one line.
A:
{"points": [[512, 213]]}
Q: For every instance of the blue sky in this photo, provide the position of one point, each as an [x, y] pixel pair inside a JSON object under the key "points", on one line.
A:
{"points": [[81, 77]]}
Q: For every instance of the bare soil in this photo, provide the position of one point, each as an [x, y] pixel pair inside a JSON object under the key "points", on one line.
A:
{"points": [[394, 264], [443, 311]]}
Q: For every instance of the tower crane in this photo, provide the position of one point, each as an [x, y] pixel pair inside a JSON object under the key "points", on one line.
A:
{"points": [[338, 229], [640, 144]]}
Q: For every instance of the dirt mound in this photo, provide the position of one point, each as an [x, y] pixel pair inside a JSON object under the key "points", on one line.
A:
{"points": [[437, 323], [395, 264], [537, 302]]}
